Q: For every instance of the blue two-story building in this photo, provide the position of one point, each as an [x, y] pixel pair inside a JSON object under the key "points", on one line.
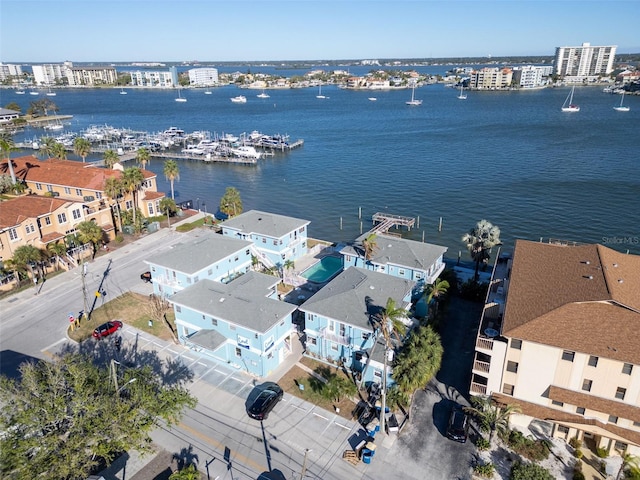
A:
{"points": [[276, 238], [241, 322], [340, 319], [203, 255], [399, 257]]}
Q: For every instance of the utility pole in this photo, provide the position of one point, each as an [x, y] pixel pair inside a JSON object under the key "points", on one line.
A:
{"points": [[84, 291], [304, 463], [383, 397]]}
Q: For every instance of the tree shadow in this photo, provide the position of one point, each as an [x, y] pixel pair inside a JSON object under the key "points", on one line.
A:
{"points": [[186, 457]]}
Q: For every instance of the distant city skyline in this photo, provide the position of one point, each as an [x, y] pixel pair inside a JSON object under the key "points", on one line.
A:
{"points": [[265, 30]]}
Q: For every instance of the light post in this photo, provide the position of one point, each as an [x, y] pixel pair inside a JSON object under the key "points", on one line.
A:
{"points": [[129, 382], [304, 463], [204, 206], [198, 203]]}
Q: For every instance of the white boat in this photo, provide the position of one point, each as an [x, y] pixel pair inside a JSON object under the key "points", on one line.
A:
{"points": [[462, 96], [51, 93], [33, 92], [372, 99], [193, 150], [413, 102], [207, 92], [239, 99], [568, 105], [245, 151], [263, 95], [320, 95], [20, 92], [180, 99], [621, 108], [123, 91]]}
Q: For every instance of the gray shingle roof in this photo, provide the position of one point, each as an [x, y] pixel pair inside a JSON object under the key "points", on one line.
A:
{"points": [[399, 251], [263, 223], [357, 294], [242, 302], [200, 250]]}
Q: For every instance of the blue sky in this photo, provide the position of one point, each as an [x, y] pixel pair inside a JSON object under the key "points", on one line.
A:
{"points": [[229, 30]]}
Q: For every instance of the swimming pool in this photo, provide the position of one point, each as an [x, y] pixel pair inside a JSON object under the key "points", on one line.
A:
{"points": [[324, 270]]}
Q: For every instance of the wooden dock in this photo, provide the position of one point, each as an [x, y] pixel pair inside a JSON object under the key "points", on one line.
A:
{"points": [[384, 221]]}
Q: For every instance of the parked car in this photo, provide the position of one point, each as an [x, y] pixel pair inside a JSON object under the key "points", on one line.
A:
{"points": [[458, 428], [269, 396], [107, 329], [146, 276]]}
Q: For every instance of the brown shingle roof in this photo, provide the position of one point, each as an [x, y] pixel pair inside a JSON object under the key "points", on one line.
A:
{"points": [[571, 298], [148, 195], [592, 402], [51, 237], [553, 415], [66, 173], [17, 210]]}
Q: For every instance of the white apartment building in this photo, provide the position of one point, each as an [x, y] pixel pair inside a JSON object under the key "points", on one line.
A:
{"points": [[90, 76], [203, 77], [160, 79], [50, 74], [8, 70], [559, 338], [530, 76], [584, 62], [491, 78]]}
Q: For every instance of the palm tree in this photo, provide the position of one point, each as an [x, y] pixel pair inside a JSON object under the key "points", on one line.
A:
{"points": [[390, 324], [110, 158], [490, 416], [58, 150], [114, 189], [82, 147], [436, 291], [46, 146], [143, 157], [480, 240], [369, 245], [26, 256], [628, 462], [57, 250], [231, 203], [90, 232], [132, 179], [190, 472], [171, 173], [7, 146], [288, 265]]}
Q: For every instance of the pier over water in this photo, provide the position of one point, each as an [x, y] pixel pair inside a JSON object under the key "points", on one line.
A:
{"points": [[384, 221]]}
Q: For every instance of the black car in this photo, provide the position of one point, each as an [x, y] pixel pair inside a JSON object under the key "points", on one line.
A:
{"points": [[269, 396], [458, 428]]}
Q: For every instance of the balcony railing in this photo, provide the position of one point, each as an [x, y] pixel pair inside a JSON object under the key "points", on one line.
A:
{"points": [[484, 343], [481, 366], [478, 388], [342, 340]]}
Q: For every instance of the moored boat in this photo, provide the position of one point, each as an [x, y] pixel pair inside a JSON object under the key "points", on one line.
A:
{"points": [[239, 99]]}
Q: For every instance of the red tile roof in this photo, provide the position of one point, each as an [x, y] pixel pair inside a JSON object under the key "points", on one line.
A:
{"points": [[15, 211]]}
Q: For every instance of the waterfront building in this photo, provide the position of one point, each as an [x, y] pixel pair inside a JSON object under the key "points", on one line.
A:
{"points": [[340, 324], [491, 78], [7, 115], [276, 239], [160, 78], [49, 74], [203, 77], [530, 76], [91, 76], [10, 70], [209, 256], [587, 62], [564, 346], [419, 262]]}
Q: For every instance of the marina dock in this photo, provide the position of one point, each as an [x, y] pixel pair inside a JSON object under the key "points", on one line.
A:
{"points": [[384, 221]]}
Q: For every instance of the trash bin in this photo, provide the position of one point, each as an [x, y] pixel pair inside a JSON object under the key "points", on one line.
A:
{"points": [[153, 227], [128, 229]]}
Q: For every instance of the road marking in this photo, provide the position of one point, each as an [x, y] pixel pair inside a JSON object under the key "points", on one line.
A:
{"points": [[318, 415], [45, 349], [299, 408], [343, 426]]}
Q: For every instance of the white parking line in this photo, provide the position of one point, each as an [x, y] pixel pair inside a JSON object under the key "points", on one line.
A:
{"points": [[318, 415], [342, 426]]}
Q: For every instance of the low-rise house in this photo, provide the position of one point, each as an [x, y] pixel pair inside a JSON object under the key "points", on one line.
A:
{"points": [[276, 239], [241, 323], [417, 261], [7, 115], [565, 345], [341, 320], [208, 256]]}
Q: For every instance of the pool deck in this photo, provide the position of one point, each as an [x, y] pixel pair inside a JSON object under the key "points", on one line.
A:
{"points": [[303, 263]]}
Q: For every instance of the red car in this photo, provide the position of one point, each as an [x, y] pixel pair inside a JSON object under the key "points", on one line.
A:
{"points": [[107, 329]]}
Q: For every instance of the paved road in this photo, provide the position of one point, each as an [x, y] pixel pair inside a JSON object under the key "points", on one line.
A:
{"points": [[218, 431]]}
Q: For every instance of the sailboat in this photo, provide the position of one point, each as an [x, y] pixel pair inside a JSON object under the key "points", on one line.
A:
{"points": [[320, 92], [621, 108], [123, 91], [462, 96], [207, 91], [413, 102], [20, 91], [51, 93], [180, 99], [263, 95], [568, 105]]}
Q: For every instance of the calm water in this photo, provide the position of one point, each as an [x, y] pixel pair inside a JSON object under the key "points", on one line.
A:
{"points": [[512, 158]]}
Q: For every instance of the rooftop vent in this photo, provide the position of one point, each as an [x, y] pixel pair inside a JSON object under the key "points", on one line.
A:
{"points": [[221, 299], [620, 280], [615, 265], [586, 262], [588, 277]]}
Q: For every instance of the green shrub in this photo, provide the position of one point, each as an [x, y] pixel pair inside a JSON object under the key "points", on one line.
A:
{"points": [[602, 452], [119, 238], [482, 444], [578, 454], [529, 471], [577, 475], [532, 449], [575, 442], [485, 470]]}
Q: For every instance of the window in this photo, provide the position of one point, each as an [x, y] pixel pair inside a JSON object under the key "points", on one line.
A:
{"points": [[47, 220], [401, 272], [196, 279], [178, 308], [557, 403], [334, 347], [210, 272], [128, 205], [150, 207], [29, 228], [67, 191], [586, 385], [238, 352], [312, 340], [264, 240], [507, 389], [627, 368], [62, 218], [98, 195], [377, 373], [620, 393], [49, 188], [38, 186], [620, 446], [563, 429], [232, 327], [580, 410], [568, 356], [214, 322], [613, 419], [593, 361], [76, 214], [78, 192], [636, 424], [13, 234], [512, 367]]}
